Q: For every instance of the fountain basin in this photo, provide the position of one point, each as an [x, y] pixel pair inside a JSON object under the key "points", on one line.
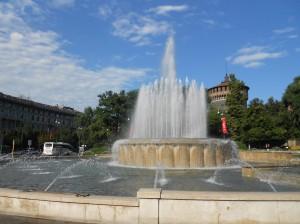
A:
{"points": [[156, 206], [173, 153]]}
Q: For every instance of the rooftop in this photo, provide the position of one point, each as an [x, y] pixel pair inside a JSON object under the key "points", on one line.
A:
{"points": [[28, 102]]}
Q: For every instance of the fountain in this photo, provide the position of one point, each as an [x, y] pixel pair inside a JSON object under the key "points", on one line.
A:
{"points": [[192, 178], [169, 126]]}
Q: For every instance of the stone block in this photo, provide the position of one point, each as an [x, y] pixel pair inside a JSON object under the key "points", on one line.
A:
{"points": [[149, 193], [181, 156], [209, 157], [148, 211], [220, 156], [150, 155]]}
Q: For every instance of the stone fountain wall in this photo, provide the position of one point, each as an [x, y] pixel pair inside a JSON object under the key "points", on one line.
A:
{"points": [[156, 206], [187, 153]]}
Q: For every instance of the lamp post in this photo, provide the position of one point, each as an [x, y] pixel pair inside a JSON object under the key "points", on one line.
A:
{"points": [[1, 140], [80, 148], [79, 135], [57, 123]]}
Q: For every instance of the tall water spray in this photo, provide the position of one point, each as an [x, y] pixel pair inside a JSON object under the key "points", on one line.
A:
{"points": [[169, 108]]}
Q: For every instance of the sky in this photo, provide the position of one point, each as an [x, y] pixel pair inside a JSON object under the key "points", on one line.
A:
{"points": [[67, 52]]}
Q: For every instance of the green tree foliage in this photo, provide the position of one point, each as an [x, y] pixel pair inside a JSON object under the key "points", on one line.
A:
{"points": [[116, 109], [291, 99], [263, 124], [109, 120], [236, 104]]}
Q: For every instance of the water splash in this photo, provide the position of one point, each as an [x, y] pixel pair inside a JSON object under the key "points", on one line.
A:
{"points": [[160, 177], [42, 173], [109, 179], [169, 109], [262, 177], [214, 180], [235, 160], [93, 165], [65, 171]]}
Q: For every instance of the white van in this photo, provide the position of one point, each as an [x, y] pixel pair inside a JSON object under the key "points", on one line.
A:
{"points": [[57, 149]]}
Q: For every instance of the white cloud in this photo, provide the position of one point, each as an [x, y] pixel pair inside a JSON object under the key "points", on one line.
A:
{"points": [[254, 64], [166, 9], [210, 22], [62, 3], [150, 53], [253, 56], [293, 36], [105, 11], [251, 49], [23, 5], [139, 29], [33, 63], [284, 30]]}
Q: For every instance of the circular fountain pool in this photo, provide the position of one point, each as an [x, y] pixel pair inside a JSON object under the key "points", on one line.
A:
{"points": [[97, 176]]}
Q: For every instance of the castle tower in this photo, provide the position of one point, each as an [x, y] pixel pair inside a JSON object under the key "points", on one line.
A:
{"points": [[217, 94]]}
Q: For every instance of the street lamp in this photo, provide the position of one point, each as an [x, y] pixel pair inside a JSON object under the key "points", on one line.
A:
{"points": [[1, 140], [57, 123], [79, 135]]}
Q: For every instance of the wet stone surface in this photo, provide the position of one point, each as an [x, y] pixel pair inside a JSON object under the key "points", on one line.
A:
{"points": [[97, 177]]}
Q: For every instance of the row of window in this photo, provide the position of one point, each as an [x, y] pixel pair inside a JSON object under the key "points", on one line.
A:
{"points": [[12, 125], [24, 113], [219, 89], [219, 97]]}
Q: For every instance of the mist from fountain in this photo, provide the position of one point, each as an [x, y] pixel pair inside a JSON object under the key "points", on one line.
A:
{"points": [[169, 108], [160, 177]]}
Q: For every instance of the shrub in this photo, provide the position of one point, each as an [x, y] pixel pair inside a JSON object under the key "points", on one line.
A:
{"points": [[241, 145], [97, 150]]}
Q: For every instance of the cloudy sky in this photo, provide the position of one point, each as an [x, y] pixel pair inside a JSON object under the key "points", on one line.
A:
{"points": [[68, 51]]}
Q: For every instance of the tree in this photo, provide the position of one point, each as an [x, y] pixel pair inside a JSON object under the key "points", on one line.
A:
{"points": [[109, 120], [116, 110], [279, 119], [263, 124], [291, 99], [236, 107]]}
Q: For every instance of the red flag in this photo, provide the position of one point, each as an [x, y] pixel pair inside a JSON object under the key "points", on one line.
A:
{"points": [[224, 126]]}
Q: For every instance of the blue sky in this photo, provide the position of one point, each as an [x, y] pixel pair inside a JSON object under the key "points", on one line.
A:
{"points": [[69, 51]]}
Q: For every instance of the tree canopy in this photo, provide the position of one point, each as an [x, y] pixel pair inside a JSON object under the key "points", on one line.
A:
{"points": [[236, 104], [109, 120], [291, 99], [260, 124]]}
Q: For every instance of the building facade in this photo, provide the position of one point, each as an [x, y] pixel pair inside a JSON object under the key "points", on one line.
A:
{"points": [[17, 113], [217, 94]]}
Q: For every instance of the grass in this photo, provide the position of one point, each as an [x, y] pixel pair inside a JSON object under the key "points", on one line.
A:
{"points": [[96, 150]]}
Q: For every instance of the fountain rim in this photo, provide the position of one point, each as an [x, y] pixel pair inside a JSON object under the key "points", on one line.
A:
{"points": [[180, 140]]}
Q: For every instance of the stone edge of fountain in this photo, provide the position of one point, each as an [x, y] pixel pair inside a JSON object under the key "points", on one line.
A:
{"points": [[180, 153], [152, 205]]}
